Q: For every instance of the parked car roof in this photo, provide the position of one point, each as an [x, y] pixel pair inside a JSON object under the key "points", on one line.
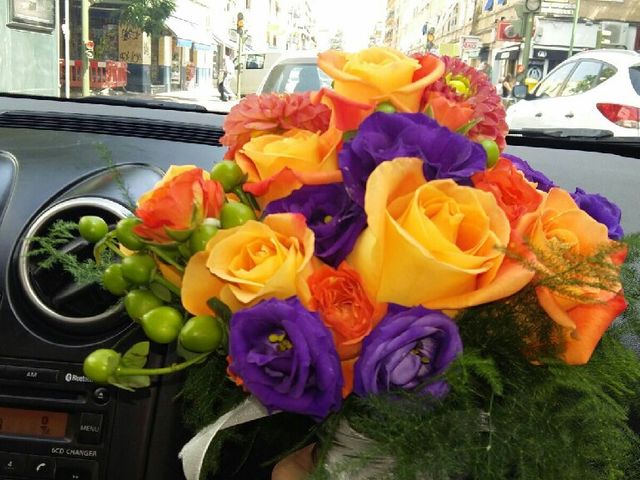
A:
{"points": [[625, 56]]}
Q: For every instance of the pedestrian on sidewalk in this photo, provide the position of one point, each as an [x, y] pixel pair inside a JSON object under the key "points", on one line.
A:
{"points": [[224, 81]]}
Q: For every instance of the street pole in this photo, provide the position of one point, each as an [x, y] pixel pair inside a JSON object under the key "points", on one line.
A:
{"points": [[528, 30], [85, 39], [576, 13], [66, 32], [240, 46]]}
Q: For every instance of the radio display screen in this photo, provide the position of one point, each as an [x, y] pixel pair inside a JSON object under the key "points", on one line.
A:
{"points": [[33, 423]]}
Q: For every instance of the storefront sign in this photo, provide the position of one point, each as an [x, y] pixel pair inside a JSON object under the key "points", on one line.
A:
{"points": [[134, 45], [558, 8], [470, 46]]}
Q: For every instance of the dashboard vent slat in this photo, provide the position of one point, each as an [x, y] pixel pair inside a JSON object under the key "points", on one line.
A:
{"points": [[108, 125], [52, 294]]}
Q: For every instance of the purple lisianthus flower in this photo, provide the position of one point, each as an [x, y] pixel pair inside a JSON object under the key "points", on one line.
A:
{"points": [[531, 174], [602, 210], [384, 136], [335, 219], [408, 349], [286, 358]]}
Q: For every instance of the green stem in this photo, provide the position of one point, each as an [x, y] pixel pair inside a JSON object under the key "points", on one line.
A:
{"points": [[176, 367], [167, 259], [113, 248], [242, 195], [167, 284]]}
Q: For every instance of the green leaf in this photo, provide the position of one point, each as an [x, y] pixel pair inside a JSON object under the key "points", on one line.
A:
{"points": [[130, 383], [135, 357], [160, 291], [429, 111], [148, 15], [221, 309], [464, 129]]}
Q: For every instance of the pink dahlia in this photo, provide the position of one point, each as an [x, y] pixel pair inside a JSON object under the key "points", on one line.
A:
{"points": [[467, 87], [272, 112]]}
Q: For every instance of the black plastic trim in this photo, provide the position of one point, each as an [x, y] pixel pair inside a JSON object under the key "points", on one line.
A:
{"points": [[112, 125]]}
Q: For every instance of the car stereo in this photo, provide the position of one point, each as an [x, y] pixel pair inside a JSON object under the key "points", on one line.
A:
{"points": [[54, 422]]}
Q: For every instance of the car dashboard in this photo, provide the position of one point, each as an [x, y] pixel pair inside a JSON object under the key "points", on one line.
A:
{"points": [[62, 160]]}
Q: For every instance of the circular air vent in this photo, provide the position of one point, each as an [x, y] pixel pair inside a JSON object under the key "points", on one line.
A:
{"points": [[54, 295]]}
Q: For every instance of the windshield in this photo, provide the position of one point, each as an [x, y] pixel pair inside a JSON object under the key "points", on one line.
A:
{"points": [[210, 53]]}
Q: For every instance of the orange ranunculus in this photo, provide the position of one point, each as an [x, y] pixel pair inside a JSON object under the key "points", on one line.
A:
{"points": [[346, 310], [277, 164], [448, 113], [515, 195], [374, 75], [433, 243], [558, 224], [249, 263], [178, 203]]}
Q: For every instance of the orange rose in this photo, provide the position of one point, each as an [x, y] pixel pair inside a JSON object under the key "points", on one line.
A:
{"points": [[345, 308], [178, 203], [277, 164], [514, 194], [559, 224], [375, 75]]}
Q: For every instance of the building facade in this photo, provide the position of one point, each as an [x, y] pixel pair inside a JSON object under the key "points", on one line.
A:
{"points": [[391, 25], [601, 23], [25, 31]]}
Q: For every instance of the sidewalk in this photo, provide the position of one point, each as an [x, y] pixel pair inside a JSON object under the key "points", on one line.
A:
{"points": [[209, 97]]}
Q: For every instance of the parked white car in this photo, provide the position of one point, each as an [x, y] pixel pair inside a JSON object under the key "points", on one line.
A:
{"points": [[255, 68], [597, 89], [295, 73]]}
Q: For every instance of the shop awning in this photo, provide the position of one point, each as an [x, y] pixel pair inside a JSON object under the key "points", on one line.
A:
{"points": [[509, 53], [188, 33], [222, 40]]}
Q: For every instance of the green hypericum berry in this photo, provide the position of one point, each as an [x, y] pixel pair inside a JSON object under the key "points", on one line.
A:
{"points": [[386, 107], [493, 152]]}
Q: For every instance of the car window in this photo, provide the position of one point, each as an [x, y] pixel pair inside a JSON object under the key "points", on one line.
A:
{"points": [[291, 78], [552, 85], [587, 75], [634, 76], [255, 61]]}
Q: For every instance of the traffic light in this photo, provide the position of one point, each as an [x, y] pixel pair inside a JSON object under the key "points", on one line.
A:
{"points": [[240, 23], [88, 49]]}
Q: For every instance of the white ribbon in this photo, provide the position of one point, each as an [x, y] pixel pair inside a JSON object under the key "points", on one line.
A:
{"points": [[344, 460], [193, 453]]}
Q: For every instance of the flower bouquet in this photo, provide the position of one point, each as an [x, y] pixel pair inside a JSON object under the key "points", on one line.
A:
{"points": [[366, 256]]}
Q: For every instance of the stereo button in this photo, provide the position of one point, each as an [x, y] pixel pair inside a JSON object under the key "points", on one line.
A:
{"points": [[101, 396], [41, 467], [30, 374], [11, 463], [77, 471], [90, 428]]}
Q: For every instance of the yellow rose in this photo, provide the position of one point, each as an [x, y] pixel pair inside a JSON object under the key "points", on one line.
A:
{"points": [[277, 164], [436, 243], [379, 74], [255, 261]]}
